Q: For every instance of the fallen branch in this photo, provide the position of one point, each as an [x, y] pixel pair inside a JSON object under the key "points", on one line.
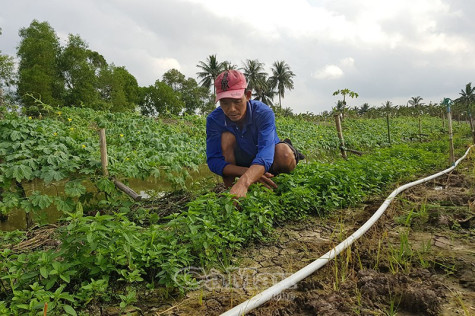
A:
{"points": [[136, 197], [356, 152]]}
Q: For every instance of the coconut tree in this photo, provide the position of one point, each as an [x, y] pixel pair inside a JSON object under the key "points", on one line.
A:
{"points": [[468, 98], [387, 106], [281, 78], [227, 65], [416, 103], [363, 109], [339, 108], [255, 75], [265, 93], [209, 71]]}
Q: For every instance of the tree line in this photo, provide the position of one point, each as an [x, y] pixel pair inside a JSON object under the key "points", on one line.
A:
{"points": [[462, 107], [50, 75]]}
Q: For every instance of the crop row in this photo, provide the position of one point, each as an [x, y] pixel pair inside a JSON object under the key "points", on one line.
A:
{"points": [[97, 257], [65, 147]]}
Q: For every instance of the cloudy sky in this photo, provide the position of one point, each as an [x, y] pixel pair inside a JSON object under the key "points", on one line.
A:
{"points": [[383, 50]]}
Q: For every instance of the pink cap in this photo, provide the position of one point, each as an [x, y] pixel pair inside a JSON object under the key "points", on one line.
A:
{"points": [[230, 84]]}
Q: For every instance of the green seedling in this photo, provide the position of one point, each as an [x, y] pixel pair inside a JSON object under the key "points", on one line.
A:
{"points": [[401, 257]]}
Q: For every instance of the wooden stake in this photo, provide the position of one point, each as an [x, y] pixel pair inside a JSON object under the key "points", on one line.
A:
{"points": [[103, 146], [420, 130], [472, 127], [340, 136], [104, 162], [451, 139], [28, 215], [389, 132]]}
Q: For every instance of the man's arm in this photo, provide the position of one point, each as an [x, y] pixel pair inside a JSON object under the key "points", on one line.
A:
{"points": [[266, 139], [248, 176], [214, 155]]}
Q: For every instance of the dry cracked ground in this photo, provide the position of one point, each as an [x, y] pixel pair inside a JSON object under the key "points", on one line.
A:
{"points": [[418, 259]]}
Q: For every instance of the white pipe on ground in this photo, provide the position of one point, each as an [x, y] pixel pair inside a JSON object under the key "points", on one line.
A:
{"points": [[268, 294]]}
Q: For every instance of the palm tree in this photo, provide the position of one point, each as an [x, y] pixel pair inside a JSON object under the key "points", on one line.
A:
{"points": [[388, 107], [363, 109], [339, 108], [254, 72], [265, 93], [210, 70], [416, 103], [286, 112], [281, 78], [468, 97], [227, 65]]}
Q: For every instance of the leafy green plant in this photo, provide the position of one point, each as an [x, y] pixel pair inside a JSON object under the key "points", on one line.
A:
{"points": [[102, 243], [128, 299]]}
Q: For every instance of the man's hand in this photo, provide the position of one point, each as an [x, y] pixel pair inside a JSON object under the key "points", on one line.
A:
{"points": [[241, 187], [239, 190], [267, 182]]}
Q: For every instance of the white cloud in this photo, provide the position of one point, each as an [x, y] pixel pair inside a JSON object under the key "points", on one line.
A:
{"points": [[334, 71], [328, 72], [162, 65], [347, 62]]}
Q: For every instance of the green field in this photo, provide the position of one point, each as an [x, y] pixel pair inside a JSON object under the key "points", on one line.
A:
{"points": [[108, 247]]}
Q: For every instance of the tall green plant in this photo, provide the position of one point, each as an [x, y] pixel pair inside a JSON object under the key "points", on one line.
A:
{"points": [[39, 73], [341, 105]]}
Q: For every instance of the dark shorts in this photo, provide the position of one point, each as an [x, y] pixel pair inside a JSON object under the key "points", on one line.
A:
{"points": [[243, 159]]}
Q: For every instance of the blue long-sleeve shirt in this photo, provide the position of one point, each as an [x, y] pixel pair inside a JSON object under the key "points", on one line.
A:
{"points": [[257, 137]]}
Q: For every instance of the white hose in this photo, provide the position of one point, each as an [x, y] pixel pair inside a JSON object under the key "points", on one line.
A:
{"points": [[268, 294]]}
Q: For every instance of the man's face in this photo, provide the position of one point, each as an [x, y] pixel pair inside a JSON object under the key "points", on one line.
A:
{"points": [[235, 109]]}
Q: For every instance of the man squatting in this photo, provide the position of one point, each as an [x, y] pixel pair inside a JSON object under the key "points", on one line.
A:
{"points": [[241, 138]]}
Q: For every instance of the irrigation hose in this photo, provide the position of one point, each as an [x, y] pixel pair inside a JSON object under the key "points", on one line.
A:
{"points": [[276, 289]]}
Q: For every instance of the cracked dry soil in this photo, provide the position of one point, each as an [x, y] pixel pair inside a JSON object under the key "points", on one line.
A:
{"points": [[418, 259]]}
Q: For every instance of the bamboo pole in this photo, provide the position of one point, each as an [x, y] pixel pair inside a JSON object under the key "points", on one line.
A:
{"points": [[420, 129], [103, 146], [451, 138], [389, 131], [340, 136], [472, 127]]}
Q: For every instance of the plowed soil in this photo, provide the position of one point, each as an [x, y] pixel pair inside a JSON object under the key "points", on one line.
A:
{"points": [[419, 259]]}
